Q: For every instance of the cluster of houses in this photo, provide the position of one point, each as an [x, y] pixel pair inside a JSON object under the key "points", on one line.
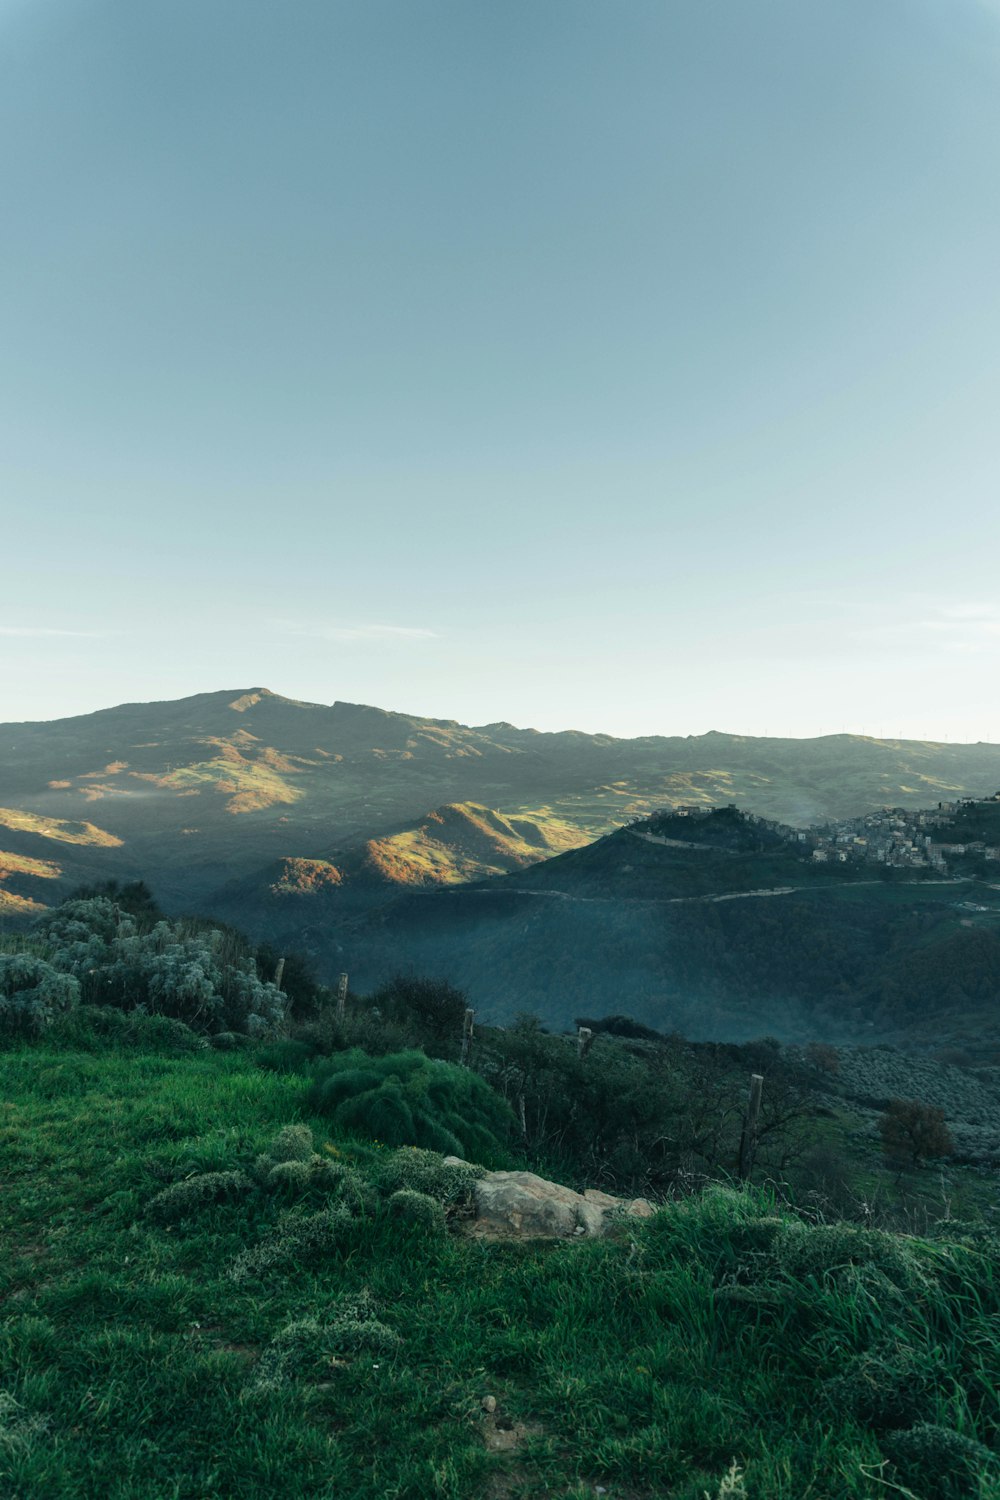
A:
{"points": [[900, 836]]}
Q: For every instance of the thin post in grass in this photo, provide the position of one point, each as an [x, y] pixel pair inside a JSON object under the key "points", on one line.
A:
{"points": [[341, 996], [279, 970], [522, 1117], [584, 1040], [748, 1139], [467, 1024]]}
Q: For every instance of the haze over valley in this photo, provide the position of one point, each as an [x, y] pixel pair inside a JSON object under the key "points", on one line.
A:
{"points": [[521, 865]]}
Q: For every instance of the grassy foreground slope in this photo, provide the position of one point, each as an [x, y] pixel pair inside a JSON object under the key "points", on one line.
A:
{"points": [[826, 1361]]}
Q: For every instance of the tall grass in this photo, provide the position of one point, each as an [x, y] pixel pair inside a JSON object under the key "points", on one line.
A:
{"points": [[134, 1366]]}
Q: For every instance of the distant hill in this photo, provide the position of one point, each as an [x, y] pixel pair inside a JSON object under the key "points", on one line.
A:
{"points": [[298, 902], [202, 792], [717, 927]]}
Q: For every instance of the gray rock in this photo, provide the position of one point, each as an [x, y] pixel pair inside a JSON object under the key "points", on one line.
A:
{"points": [[520, 1205]]}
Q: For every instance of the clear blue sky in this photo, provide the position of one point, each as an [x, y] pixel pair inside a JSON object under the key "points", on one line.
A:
{"points": [[626, 366]]}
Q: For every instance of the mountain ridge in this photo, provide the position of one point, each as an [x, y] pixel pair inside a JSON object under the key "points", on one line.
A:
{"points": [[195, 793]]}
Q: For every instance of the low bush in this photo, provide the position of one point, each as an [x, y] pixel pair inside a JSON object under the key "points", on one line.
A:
{"points": [[191, 1194], [201, 975], [94, 1028], [886, 1387], [292, 1143], [317, 1175], [427, 1173], [432, 1008], [311, 1350], [297, 1236], [820, 1250], [408, 1099], [33, 994], [418, 1209], [940, 1461]]}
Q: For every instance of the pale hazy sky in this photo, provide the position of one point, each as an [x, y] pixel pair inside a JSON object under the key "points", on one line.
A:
{"points": [[625, 366]]}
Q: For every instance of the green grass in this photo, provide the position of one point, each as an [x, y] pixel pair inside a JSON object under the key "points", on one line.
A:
{"points": [[645, 1365]]}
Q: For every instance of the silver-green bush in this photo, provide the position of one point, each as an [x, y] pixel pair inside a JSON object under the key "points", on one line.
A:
{"points": [[309, 1349], [192, 1194], [418, 1209], [32, 994], [428, 1172]]}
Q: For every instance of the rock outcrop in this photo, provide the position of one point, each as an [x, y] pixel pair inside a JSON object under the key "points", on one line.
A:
{"points": [[520, 1205]]}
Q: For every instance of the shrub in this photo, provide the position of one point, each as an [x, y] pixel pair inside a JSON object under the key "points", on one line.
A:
{"points": [[318, 1174], [310, 1350], [941, 1461], [292, 1143], [912, 1132], [291, 1166], [192, 1194], [435, 1008], [90, 1028], [200, 975], [296, 1237], [883, 1388], [407, 1099], [823, 1057], [427, 1173], [419, 1209], [32, 994], [291, 1176], [298, 982], [134, 898], [820, 1250]]}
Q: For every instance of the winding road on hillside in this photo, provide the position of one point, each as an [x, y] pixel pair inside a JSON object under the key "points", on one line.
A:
{"points": [[777, 890]]}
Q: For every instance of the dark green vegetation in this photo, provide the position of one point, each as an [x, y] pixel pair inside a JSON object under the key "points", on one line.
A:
{"points": [[114, 951], [308, 827], [727, 930], [208, 1291], [222, 1275], [718, 926], [407, 1099], [275, 813]]}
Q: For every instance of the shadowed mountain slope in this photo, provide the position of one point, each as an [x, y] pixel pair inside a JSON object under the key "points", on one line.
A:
{"points": [[720, 928], [299, 902], [197, 793]]}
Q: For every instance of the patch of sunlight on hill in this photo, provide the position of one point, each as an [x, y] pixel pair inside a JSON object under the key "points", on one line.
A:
{"points": [[60, 829], [467, 841], [23, 864], [249, 785], [306, 877], [13, 903], [19, 906]]}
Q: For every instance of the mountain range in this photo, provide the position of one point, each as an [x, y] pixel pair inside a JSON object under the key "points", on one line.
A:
{"points": [[497, 857], [196, 793]]}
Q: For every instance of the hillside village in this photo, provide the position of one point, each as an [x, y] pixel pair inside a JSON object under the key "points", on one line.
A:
{"points": [[901, 837], [898, 837]]}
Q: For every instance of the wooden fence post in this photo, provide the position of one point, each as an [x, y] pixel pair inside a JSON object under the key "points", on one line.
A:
{"points": [[522, 1118], [279, 970], [584, 1038], [748, 1139], [470, 1016], [341, 996]]}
